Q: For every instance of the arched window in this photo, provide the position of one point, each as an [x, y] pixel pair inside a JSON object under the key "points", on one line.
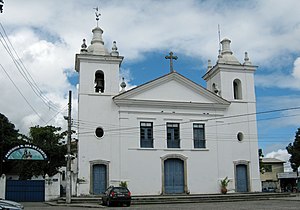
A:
{"points": [[99, 81], [237, 89]]}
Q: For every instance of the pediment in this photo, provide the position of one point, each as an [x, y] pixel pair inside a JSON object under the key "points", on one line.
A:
{"points": [[171, 88]]}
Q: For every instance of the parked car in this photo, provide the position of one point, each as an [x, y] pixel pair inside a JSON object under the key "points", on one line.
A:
{"points": [[116, 196], [10, 205], [268, 189]]}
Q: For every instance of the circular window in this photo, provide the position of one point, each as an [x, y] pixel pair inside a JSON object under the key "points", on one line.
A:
{"points": [[240, 136], [99, 132]]}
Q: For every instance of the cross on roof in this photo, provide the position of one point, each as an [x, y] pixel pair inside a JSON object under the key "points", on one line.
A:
{"points": [[171, 57], [97, 13]]}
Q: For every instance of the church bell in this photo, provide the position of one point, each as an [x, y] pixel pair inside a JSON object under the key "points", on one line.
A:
{"points": [[99, 82]]}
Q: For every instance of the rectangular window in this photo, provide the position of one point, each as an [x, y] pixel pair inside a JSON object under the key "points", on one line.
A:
{"points": [[173, 137], [268, 168], [199, 135], [146, 134]]}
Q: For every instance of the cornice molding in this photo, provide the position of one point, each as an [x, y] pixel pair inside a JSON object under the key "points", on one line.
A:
{"points": [[97, 59], [171, 104]]}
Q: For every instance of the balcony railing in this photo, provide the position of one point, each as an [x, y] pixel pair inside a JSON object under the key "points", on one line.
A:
{"points": [[199, 143], [147, 143], [173, 143]]}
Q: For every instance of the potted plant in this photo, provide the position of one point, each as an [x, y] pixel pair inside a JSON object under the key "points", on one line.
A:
{"points": [[123, 184], [224, 183]]}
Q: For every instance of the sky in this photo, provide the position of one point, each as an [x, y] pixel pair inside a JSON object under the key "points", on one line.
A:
{"points": [[44, 37]]}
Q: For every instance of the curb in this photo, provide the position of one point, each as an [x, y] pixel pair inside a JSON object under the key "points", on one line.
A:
{"points": [[86, 205]]}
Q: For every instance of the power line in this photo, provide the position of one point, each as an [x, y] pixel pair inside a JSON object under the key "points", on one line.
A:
{"points": [[23, 70], [117, 129], [208, 139], [87, 125], [22, 94], [57, 114], [5, 41]]}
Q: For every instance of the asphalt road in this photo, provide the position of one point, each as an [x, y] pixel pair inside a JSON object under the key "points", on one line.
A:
{"points": [[243, 205]]}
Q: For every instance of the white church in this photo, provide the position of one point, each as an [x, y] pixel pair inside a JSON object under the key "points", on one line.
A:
{"points": [[169, 135]]}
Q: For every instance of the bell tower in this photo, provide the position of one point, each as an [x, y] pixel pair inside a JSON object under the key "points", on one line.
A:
{"points": [[230, 79], [99, 81], [98, 69]]}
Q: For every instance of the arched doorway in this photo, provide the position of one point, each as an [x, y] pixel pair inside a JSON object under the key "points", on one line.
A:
{"points": [[99, 178], [174, 181], [242, 178]]}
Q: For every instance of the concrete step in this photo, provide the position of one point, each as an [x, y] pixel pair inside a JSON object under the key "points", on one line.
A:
{"points": [[157, 199], [93, 199], [208, 198]]}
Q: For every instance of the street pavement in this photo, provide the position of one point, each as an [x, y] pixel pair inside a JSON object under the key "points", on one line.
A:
{"points": [[274, 204]]}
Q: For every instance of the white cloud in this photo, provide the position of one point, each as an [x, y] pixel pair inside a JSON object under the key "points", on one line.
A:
{"points": [[281, 79], [281, 155], [46, 63], [125, 73], [296, 70], [289, 117], [47, 34]]}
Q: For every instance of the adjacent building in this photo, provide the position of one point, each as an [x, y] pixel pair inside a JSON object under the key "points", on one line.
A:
{"points": [[169, 135], [270, 168]]}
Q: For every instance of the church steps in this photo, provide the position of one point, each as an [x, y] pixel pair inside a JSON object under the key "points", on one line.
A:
{"points": [[168, 199]]}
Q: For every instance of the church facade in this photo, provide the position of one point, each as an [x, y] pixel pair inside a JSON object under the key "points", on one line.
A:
{"points": [[169, 135]]}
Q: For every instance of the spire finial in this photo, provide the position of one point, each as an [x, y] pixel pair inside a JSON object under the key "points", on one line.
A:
{"points": [[123, 85], [209, 66], [83, 46], [114, 49], [97, 13], [246, 59], [219, 36]]}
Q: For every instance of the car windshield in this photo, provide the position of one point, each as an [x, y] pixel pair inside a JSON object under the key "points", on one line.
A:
{"points": [[120, 189]]}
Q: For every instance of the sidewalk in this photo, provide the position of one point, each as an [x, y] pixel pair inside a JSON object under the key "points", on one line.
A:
{"points": [[95, 202], [85, 205], [294, 198]]}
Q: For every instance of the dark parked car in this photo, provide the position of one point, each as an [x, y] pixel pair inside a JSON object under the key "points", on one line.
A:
{"points": [[268, 189], [116, 196], [10, 205]]}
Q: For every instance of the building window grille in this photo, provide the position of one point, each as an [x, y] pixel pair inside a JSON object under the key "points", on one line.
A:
{"points": [[146, 134], [199, 136], [173, 135], [268, 168]]}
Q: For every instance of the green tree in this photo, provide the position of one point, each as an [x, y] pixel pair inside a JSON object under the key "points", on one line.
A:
{"points": [[261, 164], [294, 151], [49, 139], [9, 138]]}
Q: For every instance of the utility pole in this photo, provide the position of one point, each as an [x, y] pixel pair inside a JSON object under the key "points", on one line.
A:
{"points": [[2, 144], [69, 183]]}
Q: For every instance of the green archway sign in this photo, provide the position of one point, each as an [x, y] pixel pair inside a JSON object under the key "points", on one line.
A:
{"points": [[26, 152]]}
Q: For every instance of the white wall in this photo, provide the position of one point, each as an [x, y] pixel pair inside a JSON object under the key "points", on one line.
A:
{"points": [[52, 187], [142, 168], [2, 186]]}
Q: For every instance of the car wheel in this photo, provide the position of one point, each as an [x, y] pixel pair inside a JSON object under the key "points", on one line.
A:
{"points": [[104, 203], [128, 204]]}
